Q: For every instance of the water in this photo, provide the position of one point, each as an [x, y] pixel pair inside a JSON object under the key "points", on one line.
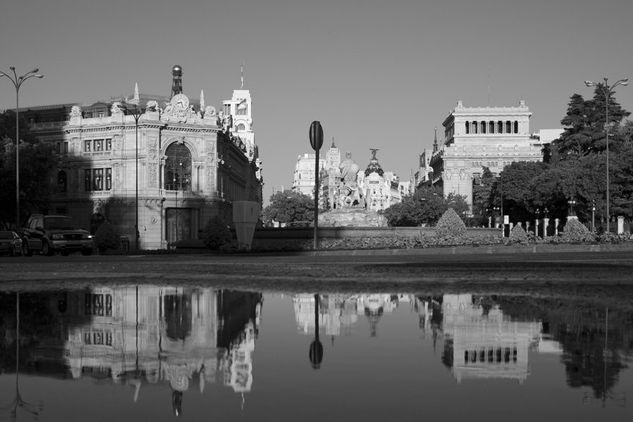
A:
{"points": [[119, 353]]}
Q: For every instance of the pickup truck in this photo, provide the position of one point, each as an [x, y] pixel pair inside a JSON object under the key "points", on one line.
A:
{"points": [[48, 234]]}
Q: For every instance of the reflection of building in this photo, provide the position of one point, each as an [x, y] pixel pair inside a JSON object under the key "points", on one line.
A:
{"points": [[149, 334], [190, 164], [338, 313], [477, 137], [483, 343]]}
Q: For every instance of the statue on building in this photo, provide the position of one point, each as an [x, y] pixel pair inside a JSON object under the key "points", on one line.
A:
{"points": [[151, 106], [75, 111], [116, 109]]}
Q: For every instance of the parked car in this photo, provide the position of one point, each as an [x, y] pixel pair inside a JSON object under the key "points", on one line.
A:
{"points": [[10, 243], [48, 234]]}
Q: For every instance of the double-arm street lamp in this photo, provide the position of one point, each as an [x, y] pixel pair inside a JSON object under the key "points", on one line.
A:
{"points": [[17, 82], [606, 89], [132, 108]]}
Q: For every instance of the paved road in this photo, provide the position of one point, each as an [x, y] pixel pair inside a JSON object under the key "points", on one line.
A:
{"points": [[345, 270]]}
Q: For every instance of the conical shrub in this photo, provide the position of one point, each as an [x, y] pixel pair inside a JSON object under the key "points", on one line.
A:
{"points": [[575, 231], [450, 225]]}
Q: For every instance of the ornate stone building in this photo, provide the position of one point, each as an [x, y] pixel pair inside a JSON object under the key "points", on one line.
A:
{"points": [[477, 137], [168, 163]]}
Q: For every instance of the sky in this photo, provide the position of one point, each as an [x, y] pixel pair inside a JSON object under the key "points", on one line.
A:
{"points": [[376, 74]]}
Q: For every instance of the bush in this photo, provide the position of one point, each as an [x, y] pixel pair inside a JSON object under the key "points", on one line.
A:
{"points": [[450, 225], [518, 235], [107, 237], [575, 231], [216, 234]]}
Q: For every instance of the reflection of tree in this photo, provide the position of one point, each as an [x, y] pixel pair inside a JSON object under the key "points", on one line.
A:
{"points": [[594, 351]]}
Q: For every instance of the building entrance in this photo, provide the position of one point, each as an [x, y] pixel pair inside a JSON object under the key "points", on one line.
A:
{"points": [[180, 224]]}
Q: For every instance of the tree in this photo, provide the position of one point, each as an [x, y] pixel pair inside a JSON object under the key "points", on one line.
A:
{"points": [[516, 189], [425, 206], [482, 192], [585, 122], [289, 207], [37, 167]]}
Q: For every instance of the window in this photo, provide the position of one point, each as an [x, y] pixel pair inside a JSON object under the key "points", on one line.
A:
{"points": [[98, 145], [499, 126], [467, 128], [62, 183], [97, 179], [178, 167], [483, 127], [87, 180], [87, 146], [241, 127], [508, 126], [108, 177], [242, 108], [94, 178], [108, 144], [474, 127], [491, 127], [516, 127]]}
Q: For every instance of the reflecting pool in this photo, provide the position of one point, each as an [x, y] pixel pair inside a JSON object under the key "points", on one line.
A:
{"points": [[156, 352]]}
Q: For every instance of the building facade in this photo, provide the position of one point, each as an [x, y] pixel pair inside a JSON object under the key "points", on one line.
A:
{"points": [[169, 168], [477, 137]]}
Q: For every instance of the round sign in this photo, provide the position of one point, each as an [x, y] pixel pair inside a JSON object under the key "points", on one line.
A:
{"points": [[316, 135]]}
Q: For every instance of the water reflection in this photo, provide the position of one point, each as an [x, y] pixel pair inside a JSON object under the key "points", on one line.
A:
{"points": [[490, 337], [183, 339], [140, 335]]}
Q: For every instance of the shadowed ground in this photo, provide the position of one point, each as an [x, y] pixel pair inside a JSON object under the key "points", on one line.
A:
{"points": [[584, 274]]}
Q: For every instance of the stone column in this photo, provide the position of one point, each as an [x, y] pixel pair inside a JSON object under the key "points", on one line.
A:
{"points": [[545, 225], [556, 221], [620, 224], [536, 227]]}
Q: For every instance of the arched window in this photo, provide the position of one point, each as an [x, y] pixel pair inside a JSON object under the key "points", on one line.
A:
{"points": [[240, 127], [467, 128], [474, 127], [178, 167], [499, 126], [491, 127], [508, 126], [483, 127], [516, 127], [62, 181]]}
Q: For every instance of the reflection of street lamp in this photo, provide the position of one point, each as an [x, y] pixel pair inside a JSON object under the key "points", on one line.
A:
{"points": [[593, 215], [135, 112], [17, 83], [607, 93], [18, 402]]}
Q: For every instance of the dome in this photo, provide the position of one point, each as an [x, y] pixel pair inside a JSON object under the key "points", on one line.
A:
{"points": [[374, 167]]}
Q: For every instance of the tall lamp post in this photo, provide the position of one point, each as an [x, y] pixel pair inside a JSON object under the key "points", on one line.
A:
{"points": [[607, 93], [17, 83], [135, 112]]}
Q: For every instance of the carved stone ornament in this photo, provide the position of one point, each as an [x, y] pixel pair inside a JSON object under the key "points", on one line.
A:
{"points": [[151, 106], [209, 113], [75, 111], [178, 110]]}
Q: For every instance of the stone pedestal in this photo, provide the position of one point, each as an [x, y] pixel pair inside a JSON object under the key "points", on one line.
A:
{"points": [[545, 226], [351, 217], [245, 216], [620, 224], [556, 221]]}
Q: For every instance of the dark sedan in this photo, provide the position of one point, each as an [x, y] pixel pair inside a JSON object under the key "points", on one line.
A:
{"points": [[10, 243]]}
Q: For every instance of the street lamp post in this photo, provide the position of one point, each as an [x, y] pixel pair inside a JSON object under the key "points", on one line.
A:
{"points": [[135, 112], [607, 93], [17, 83]]}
